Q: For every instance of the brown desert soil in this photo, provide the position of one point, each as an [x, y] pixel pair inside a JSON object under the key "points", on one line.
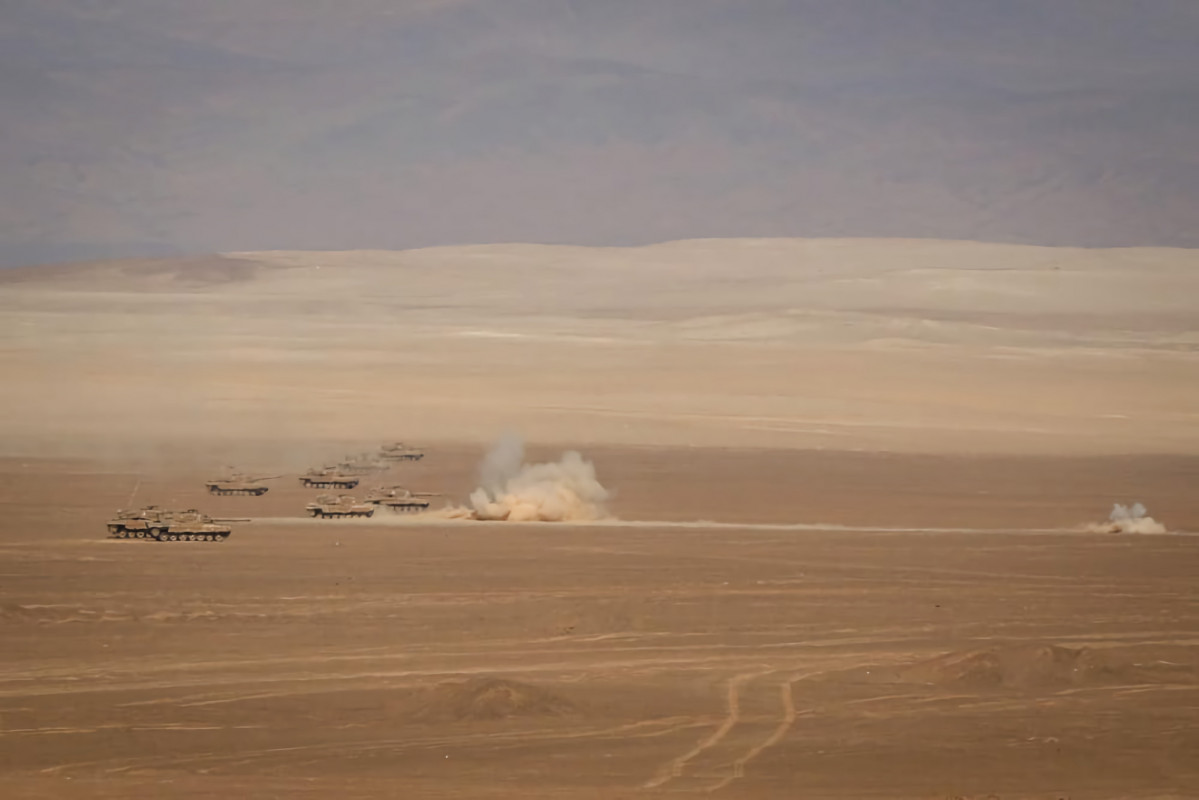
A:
{"points": [[416, 658]]}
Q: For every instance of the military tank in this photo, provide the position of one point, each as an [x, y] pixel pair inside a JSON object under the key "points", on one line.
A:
{"points": [[362, 464], [170, 525], [328, 478], [140, 523], [237, 483], [338, 506], [399, 499], [398, 451]]}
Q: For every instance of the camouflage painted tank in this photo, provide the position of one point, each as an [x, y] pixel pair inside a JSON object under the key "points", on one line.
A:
{"points": [[398, 451], [169, 525], [237, 483], [338, 506], [328, 478], [399, 499]]}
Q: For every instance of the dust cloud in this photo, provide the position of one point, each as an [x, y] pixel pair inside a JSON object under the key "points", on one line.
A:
{"points": [[1128, 519], [566, 490]]}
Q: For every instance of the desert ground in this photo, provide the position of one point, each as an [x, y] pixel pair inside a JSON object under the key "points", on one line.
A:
{"points": [[845, 553]]}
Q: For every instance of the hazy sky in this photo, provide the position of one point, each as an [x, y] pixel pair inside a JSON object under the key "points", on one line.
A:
{"points": [[142, 126]]}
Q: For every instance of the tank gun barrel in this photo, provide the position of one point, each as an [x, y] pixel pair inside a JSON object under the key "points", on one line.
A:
{"points": [[231, 519]]}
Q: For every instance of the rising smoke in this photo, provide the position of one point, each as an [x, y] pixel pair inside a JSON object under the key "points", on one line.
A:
{"points": [[566, 490], [1129, 519]]}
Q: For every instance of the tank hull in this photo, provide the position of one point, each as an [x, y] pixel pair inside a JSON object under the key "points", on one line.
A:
{"points": [[403, 506], [329, 483], [340, 513], [226, 491], [169, 533]]}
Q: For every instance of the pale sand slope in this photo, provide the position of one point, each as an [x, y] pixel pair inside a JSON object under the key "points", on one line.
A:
{"points": [[847, 344]]}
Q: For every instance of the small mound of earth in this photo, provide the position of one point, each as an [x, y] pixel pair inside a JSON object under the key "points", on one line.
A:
{"points": [[1043, 666], [490, 699]]}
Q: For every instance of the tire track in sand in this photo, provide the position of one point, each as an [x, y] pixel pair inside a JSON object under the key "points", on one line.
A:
{"points": [[675, 767], [790, 714]]}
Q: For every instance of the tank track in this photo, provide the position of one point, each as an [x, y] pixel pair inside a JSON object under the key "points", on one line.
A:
{"points": [[319, 484], [340, 515], [404, 508], [227, 492], [157, 535]]}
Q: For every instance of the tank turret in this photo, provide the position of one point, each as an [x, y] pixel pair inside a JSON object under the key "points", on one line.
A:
{"points": [[328, 478], [338, 506], [240, 484], [398, 451], [399, 499]]}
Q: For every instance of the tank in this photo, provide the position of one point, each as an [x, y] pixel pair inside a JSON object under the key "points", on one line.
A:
{"points": [[328, 478], [362, 464], [140, 523], [338, 506], [398, 451], [170, 525], [238, 483], [399, 499]]}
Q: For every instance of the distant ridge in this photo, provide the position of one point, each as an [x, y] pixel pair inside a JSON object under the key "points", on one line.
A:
{"points": [[139, 131], [953, 292]]}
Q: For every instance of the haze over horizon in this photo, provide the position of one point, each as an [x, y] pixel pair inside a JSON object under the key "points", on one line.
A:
{"points": [[137, 128]]}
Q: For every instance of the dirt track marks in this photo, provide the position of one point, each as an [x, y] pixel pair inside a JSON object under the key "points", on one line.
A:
{"points": [[720, 774], [206, 763], [674, 769], [787, 701]]}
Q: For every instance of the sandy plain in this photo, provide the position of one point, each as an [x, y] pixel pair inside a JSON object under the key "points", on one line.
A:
{"points": [[849, 557]]}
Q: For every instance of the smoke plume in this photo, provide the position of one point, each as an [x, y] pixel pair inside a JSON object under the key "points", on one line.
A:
{"points": [[1129, 519], [566, 490]]}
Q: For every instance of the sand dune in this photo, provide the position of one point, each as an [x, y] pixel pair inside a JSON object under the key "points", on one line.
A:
{"points": [[892, 344]]}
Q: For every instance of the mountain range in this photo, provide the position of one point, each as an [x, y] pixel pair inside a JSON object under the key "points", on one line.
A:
{"points": [[151, 127]]}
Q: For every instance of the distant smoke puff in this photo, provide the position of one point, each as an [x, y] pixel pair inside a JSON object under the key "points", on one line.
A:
{"points": [[1128, 519], [563, 491]]}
